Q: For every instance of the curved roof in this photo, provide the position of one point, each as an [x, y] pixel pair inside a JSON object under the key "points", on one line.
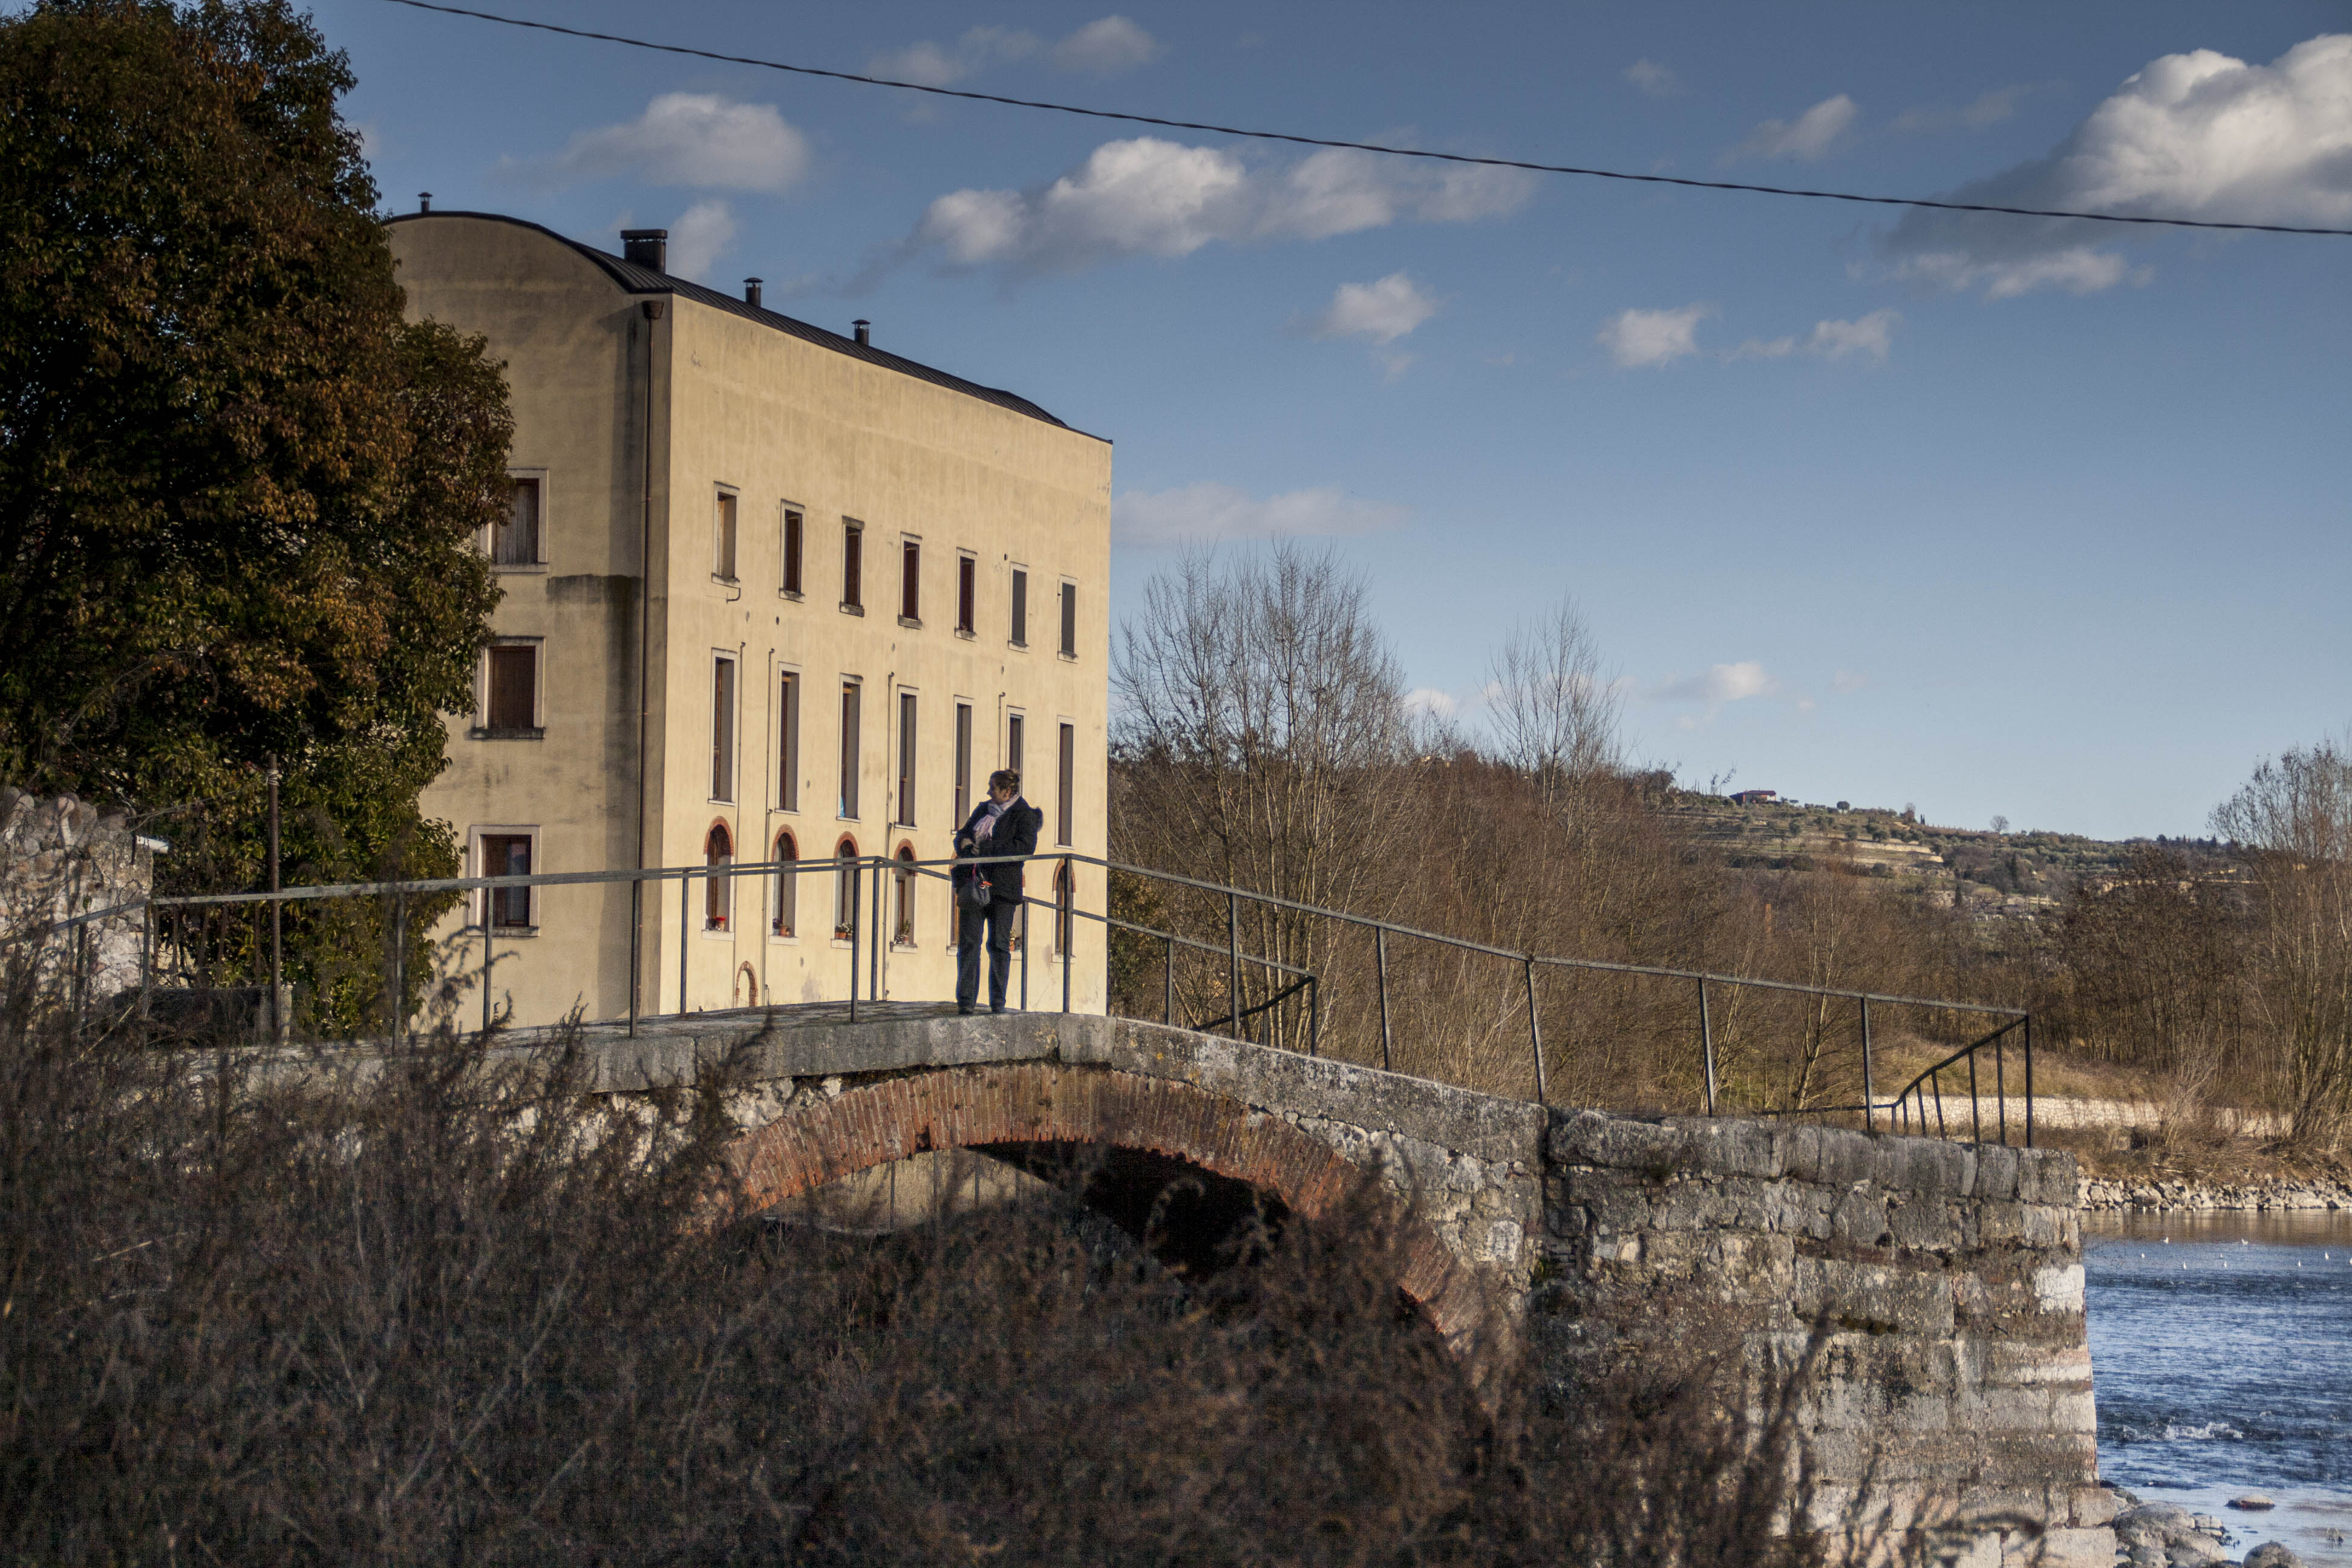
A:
{"points": [[636, 279]]}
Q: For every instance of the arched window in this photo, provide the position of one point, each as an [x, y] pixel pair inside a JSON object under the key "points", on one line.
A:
{"points": [[1065, 903], [747, 986], [788, 884], [904, 933], [845, 888], [717, 853]]}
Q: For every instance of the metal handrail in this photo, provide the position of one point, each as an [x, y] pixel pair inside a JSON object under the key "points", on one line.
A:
{"points": [[1906, 1107]]}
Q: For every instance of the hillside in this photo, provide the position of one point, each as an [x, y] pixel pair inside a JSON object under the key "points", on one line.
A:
{"points": [[1992, 873]]}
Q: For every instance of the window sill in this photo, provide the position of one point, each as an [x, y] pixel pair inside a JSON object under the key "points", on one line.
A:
{"points": [[896, 946], [794, 594], [849, 609], [518, 933], [844, 943], [913, 623], [1018, 644], [967, 633], [1066, 657], [726, 582], [520, 568], [783, 939], [483, 732], [718, 933]]}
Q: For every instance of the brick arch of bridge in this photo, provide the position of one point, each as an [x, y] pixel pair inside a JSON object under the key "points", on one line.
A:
{"points": [[872, 1124]]}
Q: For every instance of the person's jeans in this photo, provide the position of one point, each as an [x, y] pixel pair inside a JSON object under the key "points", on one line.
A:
{"points": [[998, 919]]}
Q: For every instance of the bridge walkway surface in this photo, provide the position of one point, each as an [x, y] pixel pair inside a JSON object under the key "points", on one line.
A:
{"points": [[1940, 1283]]}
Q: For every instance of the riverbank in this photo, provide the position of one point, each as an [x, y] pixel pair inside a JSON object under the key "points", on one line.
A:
{"points": [[2258, 1193]]}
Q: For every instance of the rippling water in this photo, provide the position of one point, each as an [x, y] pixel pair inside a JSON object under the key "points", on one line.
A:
{"points": [[2222, 1355]]}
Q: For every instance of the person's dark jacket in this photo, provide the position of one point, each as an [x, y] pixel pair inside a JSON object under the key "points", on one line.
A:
{"points": [[1015, 834]]}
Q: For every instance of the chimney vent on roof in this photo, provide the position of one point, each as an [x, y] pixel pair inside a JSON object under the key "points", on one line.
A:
{"points": [[864, 331], [751, 290], [425, 201], [647, 248]]}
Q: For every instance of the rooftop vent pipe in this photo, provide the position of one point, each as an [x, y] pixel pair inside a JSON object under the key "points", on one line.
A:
{"points": [[425, 201], [647, 248], [864, 331], [751, 290]]}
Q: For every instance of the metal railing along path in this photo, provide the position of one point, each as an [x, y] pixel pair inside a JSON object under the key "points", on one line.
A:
{"points": [[867, 953]]}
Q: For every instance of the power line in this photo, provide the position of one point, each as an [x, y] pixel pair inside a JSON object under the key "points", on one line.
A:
{"points": [[1359, 146]]}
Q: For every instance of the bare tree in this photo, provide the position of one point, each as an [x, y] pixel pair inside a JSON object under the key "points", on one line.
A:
{"points": [[1259, 722], [1553, 707], [2292, 822]]}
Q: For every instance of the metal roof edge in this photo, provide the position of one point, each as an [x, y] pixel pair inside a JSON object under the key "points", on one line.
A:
{"points": [[635, 279]]}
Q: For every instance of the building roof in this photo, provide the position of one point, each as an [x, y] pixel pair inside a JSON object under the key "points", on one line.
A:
{"points": [[638, 279]]}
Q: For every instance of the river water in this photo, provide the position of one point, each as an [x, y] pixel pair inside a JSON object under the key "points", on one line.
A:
{"points": [[2221, 1361]]}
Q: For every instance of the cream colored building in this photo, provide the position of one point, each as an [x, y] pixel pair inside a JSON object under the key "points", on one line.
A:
{"points": [[854, 585]]}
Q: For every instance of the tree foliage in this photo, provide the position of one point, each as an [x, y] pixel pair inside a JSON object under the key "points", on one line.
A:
{"points": [[239, 491]]}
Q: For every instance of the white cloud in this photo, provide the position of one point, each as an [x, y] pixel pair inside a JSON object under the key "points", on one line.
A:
{"points": [[1382, 311], [2198, 135], [1848, 680], [1722, 683], [1872, 335], [1654, 78], [1147, 196], [976, 50], [1809, 135], [1637, 338], [1990, 107], [1207, 513], [702, 234], [1106, 46], [682, 139], [1428, 701]]}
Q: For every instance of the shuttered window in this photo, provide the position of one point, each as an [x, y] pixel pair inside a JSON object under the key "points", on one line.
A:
{"points": [[508, 854], [906, 758], [793, 531], [910, 581], [1020, 607], [849, 748], [1065, 783], [514, 687], [722, 728], [853, 564], [967, 592], [515, 541]]}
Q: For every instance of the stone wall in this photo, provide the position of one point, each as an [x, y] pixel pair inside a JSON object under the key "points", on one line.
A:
{"points": [[61, 858], [1946, 1281]]}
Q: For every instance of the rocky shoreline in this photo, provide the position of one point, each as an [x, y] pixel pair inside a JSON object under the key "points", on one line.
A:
{"points": [[2166, 1535], [2276, 1193]]}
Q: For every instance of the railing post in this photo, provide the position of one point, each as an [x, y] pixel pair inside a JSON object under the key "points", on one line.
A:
{"points": [[1065, 926], [1234, 957], [1167, 982], [1976, 1117], [399, 965], [1935, 1081], [1869, 1096], [1535, 1034], [2029, 1083], [1380, 955], [2001, 1083], [1706, 1046], [1313, 1016], [877, 944], [856, 925], [486, 961], [1024, 949], [685, 942], [277, 916]]}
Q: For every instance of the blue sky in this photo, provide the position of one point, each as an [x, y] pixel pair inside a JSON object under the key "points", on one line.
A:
{"points": [[1995, 516]]}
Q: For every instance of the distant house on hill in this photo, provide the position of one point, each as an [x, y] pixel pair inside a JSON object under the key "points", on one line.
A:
{"points": [[1756, 797]]}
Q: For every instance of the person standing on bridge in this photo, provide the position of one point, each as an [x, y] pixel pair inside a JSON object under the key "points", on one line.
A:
{"points": [[1004, 824]]}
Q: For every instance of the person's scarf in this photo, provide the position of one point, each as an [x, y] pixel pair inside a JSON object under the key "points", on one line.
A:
{"points": [[979, 835]]}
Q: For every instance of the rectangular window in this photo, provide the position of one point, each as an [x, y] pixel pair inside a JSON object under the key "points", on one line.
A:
{"points": [[966, 594], [513, 702], [1020, 607], [906, 758], [722, 562], [788, 742], [515, 541], [849, 748], [1013, 741], [962, 762], [1069, 620], [507, 854], [1065, 783], [910, 582], [794, 529], [853, 586], [722, 728]]}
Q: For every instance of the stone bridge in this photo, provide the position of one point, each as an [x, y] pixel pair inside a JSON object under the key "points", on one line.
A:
{"points": [[1945, 1279]]}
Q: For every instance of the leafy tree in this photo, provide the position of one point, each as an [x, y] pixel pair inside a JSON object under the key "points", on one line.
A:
{"points": [[236, 490]]}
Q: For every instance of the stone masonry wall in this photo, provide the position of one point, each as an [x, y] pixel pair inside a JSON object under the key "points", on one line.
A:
{"points": [[1946, 1280], [60, 858]]}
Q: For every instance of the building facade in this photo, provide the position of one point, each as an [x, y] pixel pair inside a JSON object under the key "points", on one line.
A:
{"points": [[773, 598]]}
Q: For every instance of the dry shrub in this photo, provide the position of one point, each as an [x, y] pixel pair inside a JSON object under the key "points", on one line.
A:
{"points": [[456, 1310]]}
